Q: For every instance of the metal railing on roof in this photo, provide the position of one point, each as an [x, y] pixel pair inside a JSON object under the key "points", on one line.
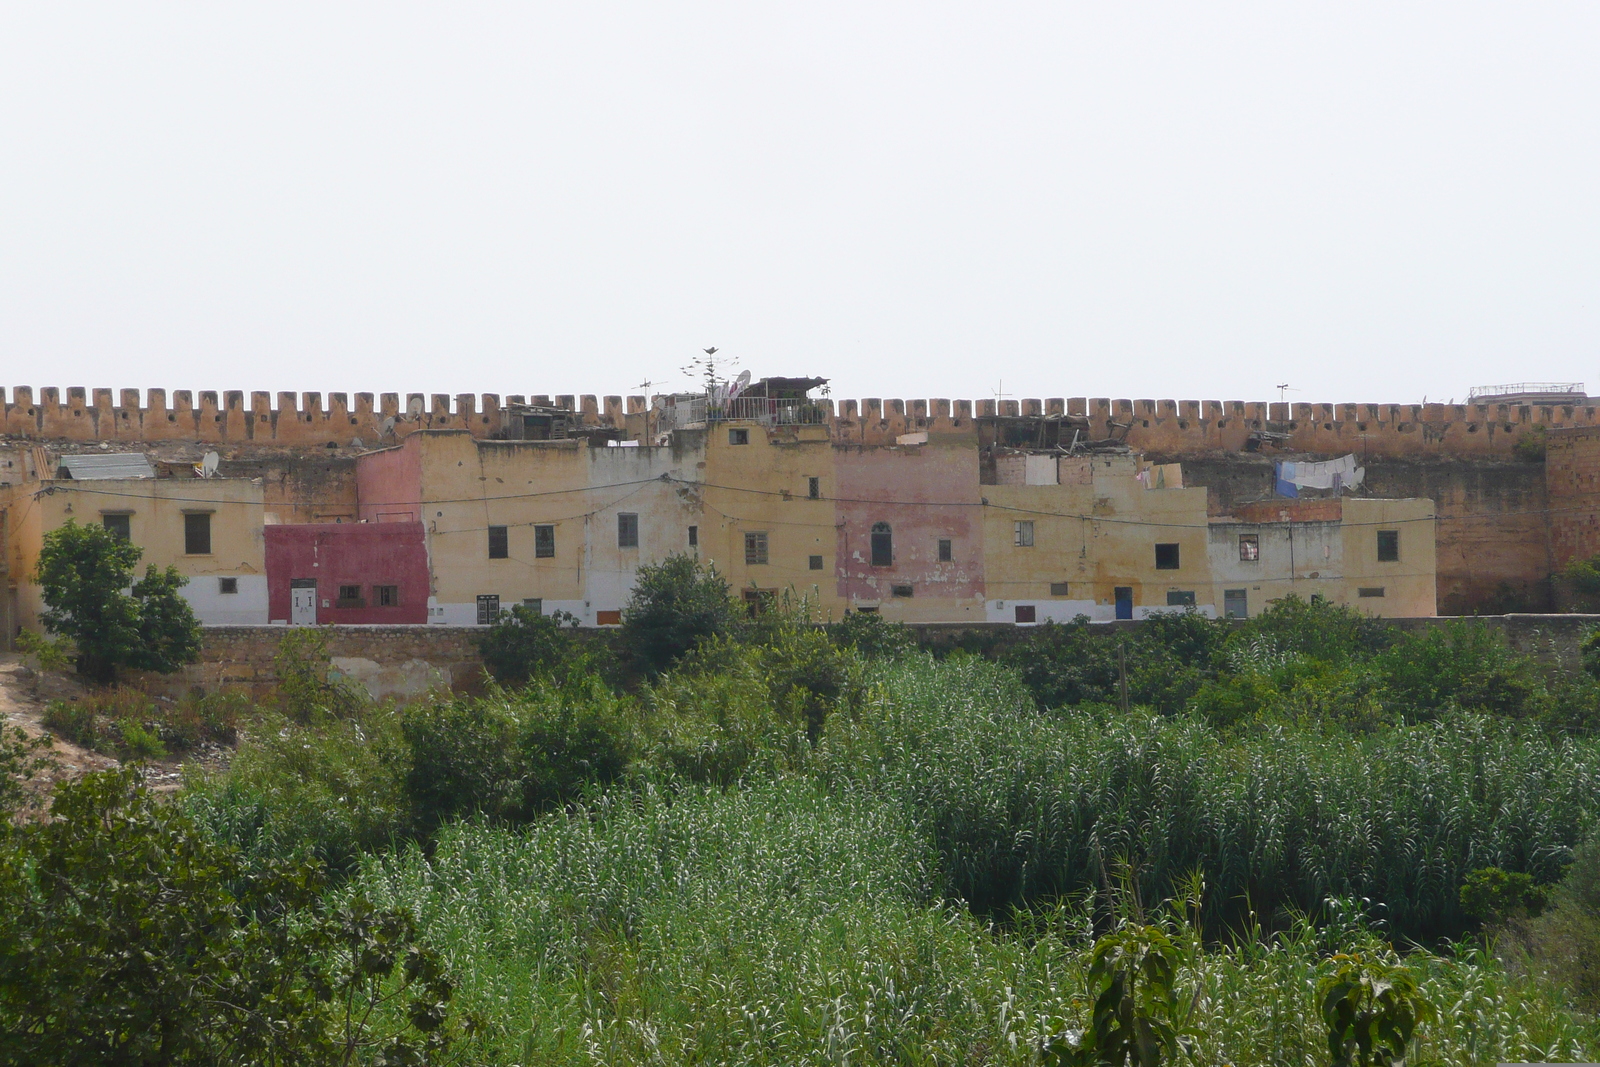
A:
{"points": [[768, 411], [1560, 389]]}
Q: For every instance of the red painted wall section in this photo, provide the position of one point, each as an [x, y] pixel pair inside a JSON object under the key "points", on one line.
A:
{"points": [[367, 554], [925, 493], [389, 483]]}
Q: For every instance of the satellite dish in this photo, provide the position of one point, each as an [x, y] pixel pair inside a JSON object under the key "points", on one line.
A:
{"points": [[739, 384], [208, 465], [387, 427], [414, 407]]}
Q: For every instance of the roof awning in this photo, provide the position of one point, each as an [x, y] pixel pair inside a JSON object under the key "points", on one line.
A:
{"points": [[113, 465]]}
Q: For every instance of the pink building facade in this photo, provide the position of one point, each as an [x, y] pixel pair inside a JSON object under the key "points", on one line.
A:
{"points": [[373, 573]]}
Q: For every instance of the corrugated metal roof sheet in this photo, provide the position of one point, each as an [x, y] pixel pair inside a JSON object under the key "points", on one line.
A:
{"points": [[107, 465]]}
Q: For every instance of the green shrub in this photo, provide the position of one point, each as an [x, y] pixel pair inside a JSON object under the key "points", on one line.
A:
{"points": [[872, 635], [509, 756], [127, 936], [524, 644], [133, 725], [1492, 895], [1565, 939], [334, 790], [1531, 446], [676, 605], [307, 686], [1459, 665]]}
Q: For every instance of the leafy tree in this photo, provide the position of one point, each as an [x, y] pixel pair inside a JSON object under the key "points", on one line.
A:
{"points": [[127, 936], [524, 643], [676, 605], [87, 577], [1135, 1015], [1372, 1009], [872, 635], [21, 758]]}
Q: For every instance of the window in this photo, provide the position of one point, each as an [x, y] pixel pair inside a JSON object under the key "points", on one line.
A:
{"points": [[882, 545], [1166, 557], [499, 543], [1180, 599], [1023, 534], [814, 488], [757, 601], [901, 590], [608, 618], [694, 537], [816, 563], [488, 610], [197, 533], [1236, 603], [1249, 548], [350, 597], [946, 551], [627, 530], [1376, 590], [120, 526], [544, 542], [386, 596], [755, 548], [227, 586], [1025, 613], [1058, 588], [867, 611], [534, 604], [738, 437], [1388, 546]]}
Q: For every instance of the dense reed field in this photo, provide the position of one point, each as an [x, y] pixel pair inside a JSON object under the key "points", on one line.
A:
{"points": [[783, 844]]}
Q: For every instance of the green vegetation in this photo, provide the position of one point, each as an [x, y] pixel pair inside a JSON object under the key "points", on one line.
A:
{"points": [[87, 578], [130, 724], [1311, 839]]}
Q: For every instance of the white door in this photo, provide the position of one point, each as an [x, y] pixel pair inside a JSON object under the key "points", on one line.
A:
{"points": [[303, 607]]}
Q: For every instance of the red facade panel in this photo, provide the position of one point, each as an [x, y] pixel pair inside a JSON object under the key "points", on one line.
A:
{"points": [[382, 561]]}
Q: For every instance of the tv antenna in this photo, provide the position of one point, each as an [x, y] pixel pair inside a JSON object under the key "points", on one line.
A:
{"points": [[1284, 388]]}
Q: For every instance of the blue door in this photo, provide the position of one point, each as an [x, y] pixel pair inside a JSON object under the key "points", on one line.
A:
{"points": [[1124, 602]]}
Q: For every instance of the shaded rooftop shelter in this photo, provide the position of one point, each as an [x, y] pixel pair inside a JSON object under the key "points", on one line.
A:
{"points": [[106, 465]]}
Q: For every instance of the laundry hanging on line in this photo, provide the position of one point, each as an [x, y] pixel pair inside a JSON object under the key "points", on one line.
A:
{"points": [[1333, 474]]}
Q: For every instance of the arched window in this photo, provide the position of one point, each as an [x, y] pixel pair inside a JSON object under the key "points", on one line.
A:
{"points": [[882, 545]]}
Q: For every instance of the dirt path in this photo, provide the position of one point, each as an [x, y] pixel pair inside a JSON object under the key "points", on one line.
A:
{"points": [[21, 705]]}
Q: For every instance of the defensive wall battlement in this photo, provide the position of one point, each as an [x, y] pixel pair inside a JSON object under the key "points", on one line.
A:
{"points": [[1163, 426]]}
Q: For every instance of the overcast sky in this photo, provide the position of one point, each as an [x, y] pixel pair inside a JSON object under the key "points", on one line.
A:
{"points": [[1367, 201]]}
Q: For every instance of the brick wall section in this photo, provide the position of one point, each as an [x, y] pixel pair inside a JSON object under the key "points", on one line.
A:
{"points": [[310, 419], [1572, 483]]}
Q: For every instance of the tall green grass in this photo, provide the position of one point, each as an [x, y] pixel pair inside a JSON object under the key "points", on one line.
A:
{"points": [[1023, 806], [786, 924]]}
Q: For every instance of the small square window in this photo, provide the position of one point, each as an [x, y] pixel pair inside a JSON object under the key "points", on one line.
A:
{"points": [[1058, 588], [694, 537], [544, 542], [1388, 546], [757, 601], [627, 530], [1180, 599], [1166, 557], [534, 604], [738, 437], [1249, 548], [946, 550], [499, 543], [350, 597], [1370, 591], [755, 548], [387, 596], [1024, 613], [197, 534], [608, 618], [120, 526], [902, 590], [1023, 534], [814, 488], [816, 563], [227, 586]]}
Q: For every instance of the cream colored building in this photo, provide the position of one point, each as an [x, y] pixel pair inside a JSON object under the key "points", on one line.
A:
{"points": [[209, 529]]}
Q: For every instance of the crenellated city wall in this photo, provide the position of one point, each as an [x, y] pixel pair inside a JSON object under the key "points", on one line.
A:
{"points": [[1165, 426]]}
